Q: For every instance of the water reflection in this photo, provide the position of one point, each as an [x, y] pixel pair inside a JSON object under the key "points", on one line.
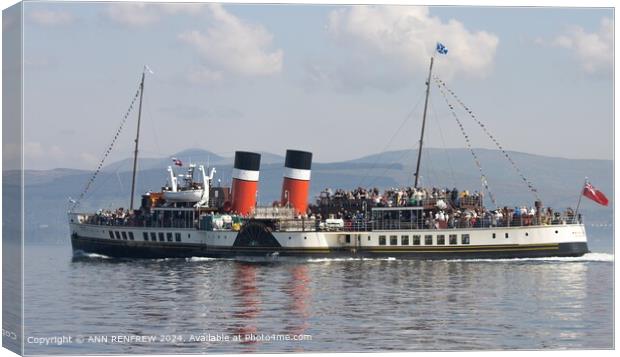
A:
{"points": [[299, 298], [356, 305], [247, 302]]}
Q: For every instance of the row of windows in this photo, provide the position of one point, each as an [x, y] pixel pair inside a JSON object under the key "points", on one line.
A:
{"points": [[428, 239], [145, 235], [121, 235]]}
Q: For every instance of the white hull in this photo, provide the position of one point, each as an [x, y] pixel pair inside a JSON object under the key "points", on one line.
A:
{"points": [[527, 239]]}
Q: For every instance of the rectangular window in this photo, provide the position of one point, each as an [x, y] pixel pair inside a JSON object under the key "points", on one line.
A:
{"points": [[381, 240], [177, 237], [506, 235], [169, 236], [464, 238], [416, 240], [145, 236], [441, 239], [130, 235], [124, 235], [347, 238], [111, 234], [453, 239], [493, 235], [117, 235], [393, 240], [404, 240], [161, 236], [153, 236], [428, 240]]}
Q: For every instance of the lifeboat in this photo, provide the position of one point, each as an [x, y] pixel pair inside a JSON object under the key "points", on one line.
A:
{"points": [[190, 192], [183, 196]]}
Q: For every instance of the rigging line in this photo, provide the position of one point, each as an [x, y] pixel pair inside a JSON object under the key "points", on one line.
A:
{"points": [[389, 167], [468, 142], [443, 141], [400, 159], [89, 183], [407, 117], [106, 178], [527, 182]]}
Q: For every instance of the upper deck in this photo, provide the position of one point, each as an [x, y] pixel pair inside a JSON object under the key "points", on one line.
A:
{"points": [[409, 218]]}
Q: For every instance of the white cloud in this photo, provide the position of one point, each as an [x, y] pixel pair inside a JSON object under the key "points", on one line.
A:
{"points": [[233, 46], [593, 50], [392, 42], [144, 14], [182, 8], [133, 14], [50, 18], [35, 150], [202, 75], [88, 159]]}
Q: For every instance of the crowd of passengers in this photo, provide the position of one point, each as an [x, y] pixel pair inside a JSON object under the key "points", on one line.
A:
{"points": [[106, 217], [447, 217], [400, 197], [444, 208], [448, 209], [124, 217]]}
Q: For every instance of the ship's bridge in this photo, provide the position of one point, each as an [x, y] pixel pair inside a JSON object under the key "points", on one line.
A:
{"points": [[387, 218]]}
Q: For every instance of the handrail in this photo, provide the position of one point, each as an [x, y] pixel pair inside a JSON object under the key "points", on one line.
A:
{"points": [[348, 225]]}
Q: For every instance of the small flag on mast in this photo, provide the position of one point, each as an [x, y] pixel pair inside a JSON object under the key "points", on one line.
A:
{"points": [[595, 195], [177, 162], [441, 49]]}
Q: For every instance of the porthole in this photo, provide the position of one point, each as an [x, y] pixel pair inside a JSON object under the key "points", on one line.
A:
{"points": [[556, 232], [493, 235], [305, 237], [527, 234], [506, 235], [289, 238]]}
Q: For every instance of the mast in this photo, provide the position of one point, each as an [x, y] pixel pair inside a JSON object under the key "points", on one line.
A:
{"points": [[428, 89], [135, 153]]}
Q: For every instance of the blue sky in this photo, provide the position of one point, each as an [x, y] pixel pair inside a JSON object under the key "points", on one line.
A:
{"points": [[336, 80]]}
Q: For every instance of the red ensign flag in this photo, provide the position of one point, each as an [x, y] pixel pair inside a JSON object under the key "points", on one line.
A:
{"points": [[595, 195]]}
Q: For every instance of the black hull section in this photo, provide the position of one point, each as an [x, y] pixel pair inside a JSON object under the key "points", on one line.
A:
{"points": [[136, 249]]}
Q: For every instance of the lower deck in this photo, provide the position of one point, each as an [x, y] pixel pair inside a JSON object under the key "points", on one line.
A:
{"points": [[256, 239]]}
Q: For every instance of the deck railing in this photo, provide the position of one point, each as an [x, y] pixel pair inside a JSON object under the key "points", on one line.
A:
{"points": [[345, 225]]}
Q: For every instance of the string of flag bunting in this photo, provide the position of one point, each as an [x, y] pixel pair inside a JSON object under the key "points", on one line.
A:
{"points": [[441, 84], [107, 151], [471, 150]]}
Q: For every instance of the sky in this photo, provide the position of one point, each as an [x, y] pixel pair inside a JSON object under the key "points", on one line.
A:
{"points": [[339, 81]]}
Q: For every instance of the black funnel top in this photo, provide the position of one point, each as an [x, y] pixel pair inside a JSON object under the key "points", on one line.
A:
{"points": [[245, 160], [296, 159]]}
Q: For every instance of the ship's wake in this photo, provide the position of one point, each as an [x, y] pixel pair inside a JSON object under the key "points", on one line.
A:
{"points": [[79, 254], [588, 257]]}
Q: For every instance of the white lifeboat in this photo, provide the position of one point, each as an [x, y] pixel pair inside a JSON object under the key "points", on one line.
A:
{"points": [[183, 196], [189, 192]]}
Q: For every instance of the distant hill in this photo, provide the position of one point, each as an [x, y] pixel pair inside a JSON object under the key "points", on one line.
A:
{"points": [[557, 180], [197, 156]]}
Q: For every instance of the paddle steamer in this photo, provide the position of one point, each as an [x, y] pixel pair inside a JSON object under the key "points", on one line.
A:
{"points": [[194, 218]]}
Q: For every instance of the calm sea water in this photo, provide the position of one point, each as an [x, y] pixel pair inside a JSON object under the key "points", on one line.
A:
{"points": [[207, 305]]}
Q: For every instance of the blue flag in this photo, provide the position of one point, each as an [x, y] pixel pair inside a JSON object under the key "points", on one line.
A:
{"points": [[441, 49]]}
